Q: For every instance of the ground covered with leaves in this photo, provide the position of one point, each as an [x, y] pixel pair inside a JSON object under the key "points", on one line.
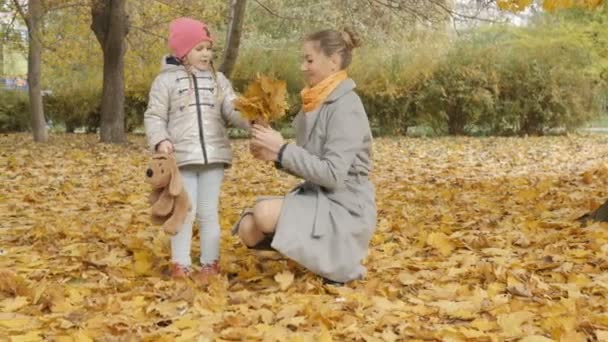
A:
{"points": [[476, 241]]}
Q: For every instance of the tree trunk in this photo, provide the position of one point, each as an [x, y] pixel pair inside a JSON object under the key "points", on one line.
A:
{"points": [[34, 61], [233, 37], [600, 214], [2, 57], [110, 25]]}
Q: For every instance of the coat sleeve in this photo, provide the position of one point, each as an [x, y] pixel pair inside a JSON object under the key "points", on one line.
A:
{"points": [[156, 116], [347, 129], [229, 113]]}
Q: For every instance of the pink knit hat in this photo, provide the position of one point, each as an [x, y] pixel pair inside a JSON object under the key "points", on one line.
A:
{"points": [[185, 34]]}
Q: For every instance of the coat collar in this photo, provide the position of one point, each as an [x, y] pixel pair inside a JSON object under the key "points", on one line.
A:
{"points": [[342, 89], [309, 120]]}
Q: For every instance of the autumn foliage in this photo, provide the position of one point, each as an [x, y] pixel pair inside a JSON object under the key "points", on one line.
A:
{"points": [[476, 241], [549, 5], [264, 100]]}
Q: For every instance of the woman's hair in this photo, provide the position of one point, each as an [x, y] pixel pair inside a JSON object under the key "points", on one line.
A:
{"points": [[334, 41]]}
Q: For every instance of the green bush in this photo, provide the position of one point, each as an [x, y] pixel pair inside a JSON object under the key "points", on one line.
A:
{"points": [[461, 90], [389, 80], [72, 110], [83, 109], [14, 111], [282, 63], [512, 81]]}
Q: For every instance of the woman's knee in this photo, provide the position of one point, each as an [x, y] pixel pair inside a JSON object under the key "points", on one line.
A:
{"points": [[266, 215], [248, 234]]}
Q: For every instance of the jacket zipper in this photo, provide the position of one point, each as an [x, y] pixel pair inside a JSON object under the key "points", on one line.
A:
{"points": [[200, 120]]}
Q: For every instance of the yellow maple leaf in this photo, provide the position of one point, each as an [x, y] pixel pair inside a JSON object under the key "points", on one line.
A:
{"points": [[143, 262], [511, 323], [82, 336], [441, 242], [13, 304], [602, 335], [16, 322], [13, 284], [264, 100], [325, 335], [32, 336], [553, 5], [285, 279], [513, 5], [536, 338]]}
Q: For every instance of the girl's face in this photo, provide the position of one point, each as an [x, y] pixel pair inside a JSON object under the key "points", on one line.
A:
{"points": [[316, 66], [200, 56]]}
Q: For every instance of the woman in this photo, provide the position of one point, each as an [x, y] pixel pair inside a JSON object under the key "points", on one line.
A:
{"points": [[325, 223]]}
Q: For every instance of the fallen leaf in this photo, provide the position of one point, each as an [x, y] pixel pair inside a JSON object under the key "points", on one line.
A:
{"points": [[511, 323], [441, 242], [13, 304], [324, 336], [285, 279], [470, 233], [536, 338], [32, 336], [602, 335]]}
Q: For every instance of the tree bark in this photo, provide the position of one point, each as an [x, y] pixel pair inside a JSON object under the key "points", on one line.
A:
{"points": [[2, 57], [34, 61], [233, 37], [110, 25]]}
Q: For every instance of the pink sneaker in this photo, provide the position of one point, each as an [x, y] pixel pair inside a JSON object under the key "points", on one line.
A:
{"points": [[207, 272], [178, 271]]}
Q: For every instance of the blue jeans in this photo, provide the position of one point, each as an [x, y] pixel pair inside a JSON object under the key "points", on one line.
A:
{"points": [[202, 183]]}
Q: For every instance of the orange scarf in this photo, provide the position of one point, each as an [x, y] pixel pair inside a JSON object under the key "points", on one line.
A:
{"points": [[313, 97]]}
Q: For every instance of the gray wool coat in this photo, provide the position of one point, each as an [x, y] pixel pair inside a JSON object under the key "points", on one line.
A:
{"points": [[326, 222]]}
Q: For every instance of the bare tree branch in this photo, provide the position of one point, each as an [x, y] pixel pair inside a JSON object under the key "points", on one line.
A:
{"points": [[274, 13], [441, 4], [172, 5], [413, 8], [136, 51], [9, 28], [68, 5], [21, 12], [147, 31]]}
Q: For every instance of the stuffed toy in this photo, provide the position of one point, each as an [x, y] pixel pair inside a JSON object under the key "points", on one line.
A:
{"points": [[169, 200]]}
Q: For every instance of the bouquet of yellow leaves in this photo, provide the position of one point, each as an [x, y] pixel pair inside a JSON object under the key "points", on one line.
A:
{"points": [[264, 100]]}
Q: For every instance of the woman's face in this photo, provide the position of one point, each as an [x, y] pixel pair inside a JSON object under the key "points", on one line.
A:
{"points": [[316, 66]]}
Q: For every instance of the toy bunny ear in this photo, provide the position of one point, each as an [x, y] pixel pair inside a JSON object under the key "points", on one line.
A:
{"points": [[175, 184]]}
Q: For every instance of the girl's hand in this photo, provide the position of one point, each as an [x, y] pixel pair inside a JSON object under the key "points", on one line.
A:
{"points": [[266, 141], [165, 146]]}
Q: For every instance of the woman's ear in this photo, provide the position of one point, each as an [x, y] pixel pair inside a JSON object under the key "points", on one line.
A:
{"points": [[336, 61]]}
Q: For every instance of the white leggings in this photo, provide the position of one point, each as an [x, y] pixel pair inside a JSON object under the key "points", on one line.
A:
{"points": [[202, 183]]}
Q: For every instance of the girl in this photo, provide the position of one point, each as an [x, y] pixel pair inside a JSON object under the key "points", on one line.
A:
{"points": [[188, 108], [325, 223]]}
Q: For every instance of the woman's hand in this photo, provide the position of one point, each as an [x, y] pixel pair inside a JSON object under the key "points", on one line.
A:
{"points": [[265, 143]]}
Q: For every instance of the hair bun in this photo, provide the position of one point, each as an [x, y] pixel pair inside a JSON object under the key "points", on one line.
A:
{"points": [[351, 39]]}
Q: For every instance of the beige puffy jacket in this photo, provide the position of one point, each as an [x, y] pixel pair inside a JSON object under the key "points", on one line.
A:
{"points": [[194, 121]]}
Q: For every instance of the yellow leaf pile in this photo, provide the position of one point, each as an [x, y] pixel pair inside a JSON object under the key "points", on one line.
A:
{"points": [[264, 100], [513, 5], [476, 241], [548, 5]]}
